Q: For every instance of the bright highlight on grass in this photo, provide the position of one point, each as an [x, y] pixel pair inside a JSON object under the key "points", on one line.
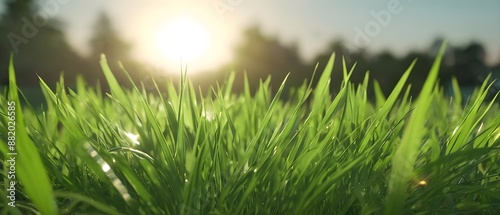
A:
{"points": [[133, 138], [183, 39]]}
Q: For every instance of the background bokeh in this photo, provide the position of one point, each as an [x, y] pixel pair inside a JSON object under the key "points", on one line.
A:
{"points": [[261, 38]]}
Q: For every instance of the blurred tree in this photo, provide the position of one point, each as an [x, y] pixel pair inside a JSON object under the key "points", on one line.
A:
{"points": [[38, 44], [106, 40], [261, 56], [387, 70], [17, 9], [471, 65], [420, 70], [383, 67], [467, 64], [496, 76]]}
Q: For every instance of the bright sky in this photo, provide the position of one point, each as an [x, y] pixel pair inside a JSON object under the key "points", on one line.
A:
{"points": [[312, 24]]}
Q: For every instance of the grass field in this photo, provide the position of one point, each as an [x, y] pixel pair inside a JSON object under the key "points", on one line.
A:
{"points": [[186, 152]]}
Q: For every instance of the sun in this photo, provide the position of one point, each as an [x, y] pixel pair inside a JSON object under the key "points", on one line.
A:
{"points": [[183, 39]]}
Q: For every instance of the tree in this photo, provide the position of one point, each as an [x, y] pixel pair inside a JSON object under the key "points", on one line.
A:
{"points": [[106, 40], [16, 9], [38, 44], [261, 56]]}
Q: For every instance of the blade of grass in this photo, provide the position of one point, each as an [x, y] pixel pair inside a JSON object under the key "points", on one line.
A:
{"points": [[406, 153], [29, 166]]}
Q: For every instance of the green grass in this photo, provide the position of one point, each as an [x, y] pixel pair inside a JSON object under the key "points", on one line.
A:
{"points": [[185, 152]]}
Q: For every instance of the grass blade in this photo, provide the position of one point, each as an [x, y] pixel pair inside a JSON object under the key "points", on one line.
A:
{"points": [[29, 166], [406, 153]]}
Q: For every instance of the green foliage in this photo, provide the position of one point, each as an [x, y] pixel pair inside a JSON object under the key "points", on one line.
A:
{"points": [[405, 154], [182, 152], [29, 168]]}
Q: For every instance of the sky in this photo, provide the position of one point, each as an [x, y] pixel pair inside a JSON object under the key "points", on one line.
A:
{"points": [[394, 25]]}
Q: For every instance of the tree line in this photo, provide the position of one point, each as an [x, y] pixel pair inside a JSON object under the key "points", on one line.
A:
{"points": [[40, 48], [261, 55]]}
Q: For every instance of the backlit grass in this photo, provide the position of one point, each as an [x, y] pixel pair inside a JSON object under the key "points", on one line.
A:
{"points": [[179, 151]]}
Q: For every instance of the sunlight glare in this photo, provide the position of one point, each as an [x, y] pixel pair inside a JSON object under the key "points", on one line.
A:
{"points": [[183, 39], [133, 137], [105, 167]]}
